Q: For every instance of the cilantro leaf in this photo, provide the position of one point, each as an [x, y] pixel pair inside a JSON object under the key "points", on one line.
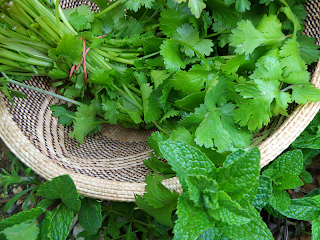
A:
{"points": [[135, 5], [158, 201], [151, 108], [70, 47], [85, 122], [291, 60], [158, 77], [246, 38], [171, 19], [309, 50], [81, 18], [172, 56], [306, 92], [242, 5], [65, 116]]}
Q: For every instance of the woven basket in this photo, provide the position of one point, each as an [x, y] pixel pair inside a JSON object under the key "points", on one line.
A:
{"points": [[109, 165]]}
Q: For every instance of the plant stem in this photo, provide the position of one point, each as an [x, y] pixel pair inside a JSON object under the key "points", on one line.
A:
{"points": [[41, 90], [115, 4]]}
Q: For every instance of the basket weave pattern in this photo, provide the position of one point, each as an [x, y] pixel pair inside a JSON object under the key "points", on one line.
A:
{"points": [[109, 165]]}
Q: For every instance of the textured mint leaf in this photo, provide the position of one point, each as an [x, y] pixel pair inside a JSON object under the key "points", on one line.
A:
{"points": [[211, 233], [303, 93], [61, 187], [316, 229], [70, 47], [172, 56], [263, 193], [289, 162], [45, 227], [307, 208], [61, 222], [154, 140], [25, 230], [307, 141], [192, 221], [306, 176], [202, 191], [237, 178], [21, 217], [229, 211], [255, 229], [90, 217], [185, 159], [279, 200], [287, 181]]}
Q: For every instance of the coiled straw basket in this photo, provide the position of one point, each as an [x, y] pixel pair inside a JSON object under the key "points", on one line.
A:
{"points": [[110, 165]]}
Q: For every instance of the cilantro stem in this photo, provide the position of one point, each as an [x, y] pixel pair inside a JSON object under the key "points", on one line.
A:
{"points": [[136, 90], [41, 90], [159, 127], [64, 19], [150, 55], [217, 34], [117, 59], [138, 101], [58, 19], [287, 88], [107, 9]]}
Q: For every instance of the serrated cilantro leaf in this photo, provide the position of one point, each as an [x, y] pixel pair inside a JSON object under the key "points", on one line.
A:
{"points": [[157, 195], [70, 47], [196, 6], [291, 60], [189, 215], [171, 19], [181, 156], [65, 116], [306, 92], [135, 5], [101, 76], [239, 177], [151, 107], [254, 108], [297, 78], [158, 77], [191, 81], [158, 201], [242, 5], [85, 122], [81, 18], [309, 50], [172, 56], [246, 38]]}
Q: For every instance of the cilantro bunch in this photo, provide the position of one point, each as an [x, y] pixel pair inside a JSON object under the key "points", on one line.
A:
{"points": [[209, 72]]}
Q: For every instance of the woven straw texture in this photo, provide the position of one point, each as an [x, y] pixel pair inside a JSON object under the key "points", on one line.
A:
{"points": [[109, 165]]}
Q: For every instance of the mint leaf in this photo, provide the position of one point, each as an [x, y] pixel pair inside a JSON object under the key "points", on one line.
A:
{"points": [[240, 176], [316, 229], [211, 233], [45, 227], [21, 217], [189, 215], [229, 211], [85, 122], [306, 208], [61, 187], [25, 230], [287, 181], [61, 222], [264, 192], [279, 200], [185, 159], [90, 217]]}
